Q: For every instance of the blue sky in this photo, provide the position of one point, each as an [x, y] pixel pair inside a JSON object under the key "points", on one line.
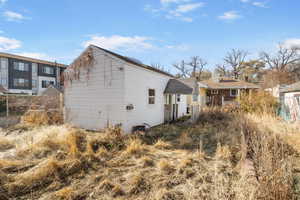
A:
{"points": [[153, 31]]}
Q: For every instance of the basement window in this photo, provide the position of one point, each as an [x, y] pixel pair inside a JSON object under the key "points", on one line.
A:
{"points": [[151, 96]]}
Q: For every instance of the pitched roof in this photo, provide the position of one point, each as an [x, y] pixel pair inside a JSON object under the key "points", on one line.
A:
{"points": [[176, 86], [132, 61], [291, 88], [227, 83], [8, 55]]}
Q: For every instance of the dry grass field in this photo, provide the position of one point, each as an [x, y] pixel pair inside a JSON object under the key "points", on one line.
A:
{"points": [[222, 156]]}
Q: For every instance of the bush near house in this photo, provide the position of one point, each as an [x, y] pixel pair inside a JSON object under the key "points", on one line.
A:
{"points": [[258, 102]]}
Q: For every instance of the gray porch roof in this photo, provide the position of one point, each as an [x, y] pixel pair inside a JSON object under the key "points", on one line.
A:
{"points": [[176, 86]]}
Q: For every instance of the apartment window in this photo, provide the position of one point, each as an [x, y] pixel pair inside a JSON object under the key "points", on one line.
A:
{"points": [[3, 65], [151, 96], [46, 83], [214, 91], [48, 70], [21, 82], [233, 92], [20, 66], [34, 83]]}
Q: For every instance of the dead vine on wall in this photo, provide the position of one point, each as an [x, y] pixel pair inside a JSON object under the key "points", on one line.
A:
{"points": [[85, 61]]}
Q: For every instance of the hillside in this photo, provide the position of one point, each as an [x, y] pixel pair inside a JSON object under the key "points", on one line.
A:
{"points": [[223, 156]]}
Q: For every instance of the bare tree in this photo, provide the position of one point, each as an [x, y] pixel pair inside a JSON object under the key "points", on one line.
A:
{"points": [[198, 64], [183, 69], [235, 59], [282, 60], [221, 69]]}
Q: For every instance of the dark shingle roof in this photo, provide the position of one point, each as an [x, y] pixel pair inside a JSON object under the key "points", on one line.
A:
{"points": [[291, 88], [176, 86], [132, 61]]}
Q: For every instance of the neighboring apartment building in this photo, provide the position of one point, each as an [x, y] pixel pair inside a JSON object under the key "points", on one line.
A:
{"points": [[20, 74]]}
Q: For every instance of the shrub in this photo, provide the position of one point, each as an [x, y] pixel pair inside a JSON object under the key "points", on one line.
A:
{"points": [[258, 102]]}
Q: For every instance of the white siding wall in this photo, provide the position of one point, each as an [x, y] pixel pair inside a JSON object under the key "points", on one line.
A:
{"points": [[137, 83], [99, 100]]}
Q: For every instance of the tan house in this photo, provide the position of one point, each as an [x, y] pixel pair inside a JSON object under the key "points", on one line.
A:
{"points": [[219, 91]]}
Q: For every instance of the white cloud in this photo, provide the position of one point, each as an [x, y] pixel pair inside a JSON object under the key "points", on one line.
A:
{"points": [[1, 32], [3, 1], [181, 47], [230, 15], [13, 16], [118, 42], [259, 4], [291, 43], [189, 7], [245, 1], [36, 55], [173, 1], [9, 43]]}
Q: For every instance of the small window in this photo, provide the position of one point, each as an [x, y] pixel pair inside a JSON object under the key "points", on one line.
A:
{"points": [[233, 92], [48, 70], [214, 91], [178, 97], [151, 96], [34, 69]]}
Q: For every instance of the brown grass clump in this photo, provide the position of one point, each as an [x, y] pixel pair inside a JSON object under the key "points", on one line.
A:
{"points": [[185, 141], [135, 147], [40, 118], [160, 144], [223, 152], [147, 161], [106, 185], [139, 184], [5, 144], [11, 165], [37, 177], [66, 193], [117, 191], [166, 167]]}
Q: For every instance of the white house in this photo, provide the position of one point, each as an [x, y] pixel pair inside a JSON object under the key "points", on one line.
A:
{"points": [[104, 89], [290, 102]]}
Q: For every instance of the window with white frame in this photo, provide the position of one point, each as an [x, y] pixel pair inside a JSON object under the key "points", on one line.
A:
{"points": [[48, 70], [3, 81], [233, 92], [151, 96], [20, 66]]}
